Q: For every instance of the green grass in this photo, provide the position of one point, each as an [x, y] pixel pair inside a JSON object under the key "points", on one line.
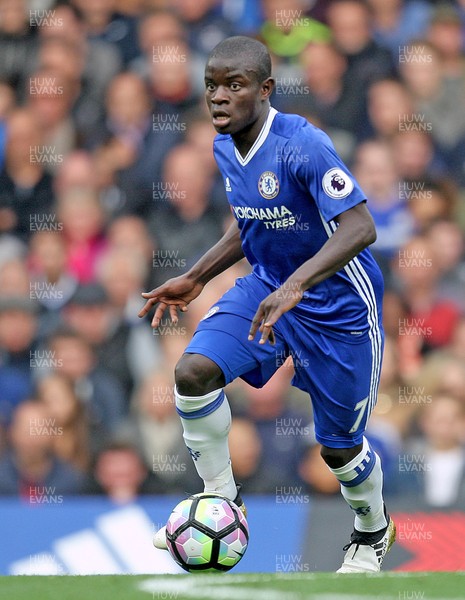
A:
{"points": [[259, 586]]}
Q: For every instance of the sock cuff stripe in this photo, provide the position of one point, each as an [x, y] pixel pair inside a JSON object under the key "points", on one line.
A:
{"points": [[207, 397], [363, 470], [204, 411], [349, 467]]}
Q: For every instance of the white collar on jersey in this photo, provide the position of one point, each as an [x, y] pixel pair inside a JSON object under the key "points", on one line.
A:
{"points": [[259, 141]]}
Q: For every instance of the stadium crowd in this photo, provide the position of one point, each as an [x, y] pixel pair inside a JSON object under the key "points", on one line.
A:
{"points": [[108, 187]]}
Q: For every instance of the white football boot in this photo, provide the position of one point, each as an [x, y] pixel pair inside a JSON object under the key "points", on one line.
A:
{"points": [[159, 539], [365, 551]]}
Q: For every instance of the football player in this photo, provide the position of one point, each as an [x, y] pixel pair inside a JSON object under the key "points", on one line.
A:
{"points": [[314, 293]]}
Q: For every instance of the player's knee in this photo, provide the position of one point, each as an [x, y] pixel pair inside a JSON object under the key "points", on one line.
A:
{"points": [[336, 458], [196, 375]]}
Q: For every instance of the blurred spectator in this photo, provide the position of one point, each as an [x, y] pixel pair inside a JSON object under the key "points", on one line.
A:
{"points": [[328, 94], [128, 347], [436, 103], [245, 447], [444, 369], [161, 34], [61, 54], [96, 388], [171, 79], [397, 401], [154, 425], [18, 335], [81, 169], [51, 98], [429, 201], [376, 173], [18, 348], [185, 226], [76, 171], [430, 321], [11, 248], [415, 155], [92, 63], [17, 41], [440, 453], [14, 280], [128, 111], [51, 284], [130, 234], [246, 17], [82, 219], [284, 431], [124, 350], [449, 245], [389, 108], [204, 22], [287, 28], [29, 468], [15, 388], [349, 21], [445, 33], [120, 474], [135, 140], [72, 441], [103, 22], [26, 195], [122, 273], [397, 22]]}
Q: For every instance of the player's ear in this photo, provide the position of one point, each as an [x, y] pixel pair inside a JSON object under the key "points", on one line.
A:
{"points": [[267, 88]]}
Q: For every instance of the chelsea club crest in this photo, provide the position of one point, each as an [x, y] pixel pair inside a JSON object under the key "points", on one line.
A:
{"points": [[268, 185]]}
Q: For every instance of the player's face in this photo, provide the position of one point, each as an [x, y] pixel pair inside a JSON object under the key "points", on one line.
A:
{"points": [[234, 96]]}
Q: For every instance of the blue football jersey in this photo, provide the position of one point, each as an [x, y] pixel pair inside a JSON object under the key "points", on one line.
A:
{"points": [[285, 195]]}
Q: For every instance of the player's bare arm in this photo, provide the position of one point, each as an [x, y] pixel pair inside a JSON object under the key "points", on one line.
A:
{"points": [[356, 231], [178, 292]]}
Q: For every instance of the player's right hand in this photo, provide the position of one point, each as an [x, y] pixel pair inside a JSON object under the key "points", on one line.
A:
{"points": [[174, 294]]}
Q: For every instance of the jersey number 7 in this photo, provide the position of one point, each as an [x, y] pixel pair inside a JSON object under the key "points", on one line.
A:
{"points": [[362, 405]]}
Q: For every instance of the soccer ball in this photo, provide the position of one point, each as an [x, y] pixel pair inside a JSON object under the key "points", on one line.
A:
{"points": [[207, 532]]}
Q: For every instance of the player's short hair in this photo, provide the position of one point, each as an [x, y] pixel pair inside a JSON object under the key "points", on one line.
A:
{"points": [[248, 52]]}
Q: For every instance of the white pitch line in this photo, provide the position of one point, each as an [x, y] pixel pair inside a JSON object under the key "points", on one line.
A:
{"points": [[192, 588], [237, 587]]}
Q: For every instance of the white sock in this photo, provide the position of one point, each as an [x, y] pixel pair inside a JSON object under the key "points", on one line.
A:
{"points": [[362, 487], [206, 421]]}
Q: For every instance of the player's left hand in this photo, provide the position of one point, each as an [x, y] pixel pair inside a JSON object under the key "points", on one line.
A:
{"points": [[271, 308]]}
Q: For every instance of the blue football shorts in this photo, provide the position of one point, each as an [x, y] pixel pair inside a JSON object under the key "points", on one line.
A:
{"points": [[339, 372]]}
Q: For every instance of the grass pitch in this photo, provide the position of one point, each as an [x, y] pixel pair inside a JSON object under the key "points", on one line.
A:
{"points": [[258, 586]]}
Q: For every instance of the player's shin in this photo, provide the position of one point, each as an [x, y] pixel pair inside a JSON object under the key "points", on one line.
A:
{"points": [[362, 487], [206, 422]]}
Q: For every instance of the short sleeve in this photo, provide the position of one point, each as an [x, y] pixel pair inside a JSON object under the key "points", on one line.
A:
{"points": [[329, 181]]}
